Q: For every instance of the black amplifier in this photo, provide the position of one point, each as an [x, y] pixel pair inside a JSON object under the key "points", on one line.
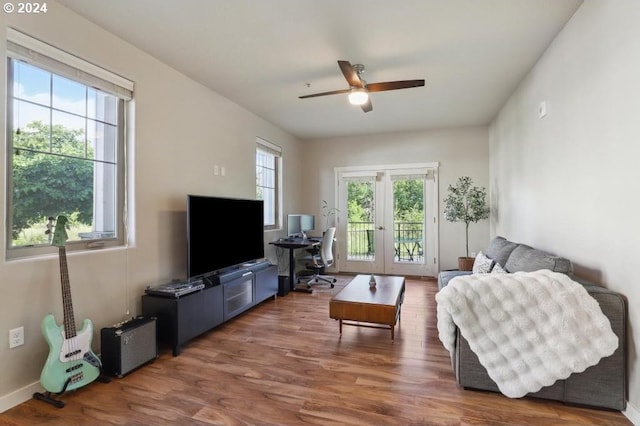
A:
{"points": [[128, 345]]}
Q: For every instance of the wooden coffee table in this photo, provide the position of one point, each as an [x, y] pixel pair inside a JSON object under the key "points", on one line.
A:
{"points": [[358, 302]]}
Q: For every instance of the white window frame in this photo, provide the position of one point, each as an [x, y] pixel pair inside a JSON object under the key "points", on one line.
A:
{"points": [[21, 47], [273, 209]]}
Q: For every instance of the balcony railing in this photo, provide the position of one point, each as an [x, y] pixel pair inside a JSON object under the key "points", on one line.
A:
{"points": [[408, 241]]}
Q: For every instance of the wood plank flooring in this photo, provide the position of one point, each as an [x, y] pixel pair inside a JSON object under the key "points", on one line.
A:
{"points": [[284, 363]]}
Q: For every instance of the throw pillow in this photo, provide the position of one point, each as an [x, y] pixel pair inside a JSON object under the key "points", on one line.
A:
{"points": [[482, 264], [497, 269]]}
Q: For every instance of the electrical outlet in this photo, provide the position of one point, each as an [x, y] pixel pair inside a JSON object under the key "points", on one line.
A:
{"points": [[16, 337]]}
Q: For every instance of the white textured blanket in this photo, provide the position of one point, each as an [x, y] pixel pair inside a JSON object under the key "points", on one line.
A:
{"points": [[528, 329]]}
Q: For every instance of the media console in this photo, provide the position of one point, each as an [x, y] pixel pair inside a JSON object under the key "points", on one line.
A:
{"points": [[224, 296]]}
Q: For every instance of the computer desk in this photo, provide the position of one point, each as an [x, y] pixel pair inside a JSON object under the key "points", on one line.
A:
{"points": [[293, 244]]}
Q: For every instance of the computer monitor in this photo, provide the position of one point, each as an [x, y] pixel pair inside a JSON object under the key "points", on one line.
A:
{"points": [[294, 227], [307, 223], [299, 224]]}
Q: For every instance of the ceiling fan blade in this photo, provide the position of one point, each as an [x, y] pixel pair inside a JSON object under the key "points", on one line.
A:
{"points": [[334, 92], [394, 85], [366, 107], [350, 74]]}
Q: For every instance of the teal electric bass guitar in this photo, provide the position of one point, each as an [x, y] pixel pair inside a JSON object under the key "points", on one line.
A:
{"points": [[71, 364]]}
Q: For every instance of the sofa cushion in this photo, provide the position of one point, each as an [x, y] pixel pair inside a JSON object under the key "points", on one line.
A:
{"points": [[445, 276], [497, 269], [499, 249], [482, 264], [527, 259]]}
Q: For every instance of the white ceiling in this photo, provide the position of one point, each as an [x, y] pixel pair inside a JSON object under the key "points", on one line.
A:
{"points": [[261, 54]]}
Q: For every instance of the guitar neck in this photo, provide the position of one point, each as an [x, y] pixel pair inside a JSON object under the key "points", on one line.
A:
{"points": [[69, 320]]}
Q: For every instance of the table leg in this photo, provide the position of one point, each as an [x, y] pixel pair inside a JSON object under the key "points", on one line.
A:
{"points": [[292, 270], [340, 326]]}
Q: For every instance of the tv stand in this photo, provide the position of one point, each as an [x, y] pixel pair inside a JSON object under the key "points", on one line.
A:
{"points": [[225, 296]]}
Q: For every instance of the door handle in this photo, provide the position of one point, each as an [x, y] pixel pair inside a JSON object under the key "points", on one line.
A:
{"points": [[381, 228]]}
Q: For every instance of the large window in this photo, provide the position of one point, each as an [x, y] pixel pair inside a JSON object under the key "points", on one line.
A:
{"points": [[268, 158], [65, 150]]}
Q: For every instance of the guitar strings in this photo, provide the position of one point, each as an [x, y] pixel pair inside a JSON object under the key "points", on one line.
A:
{"points": [[73, 347]]}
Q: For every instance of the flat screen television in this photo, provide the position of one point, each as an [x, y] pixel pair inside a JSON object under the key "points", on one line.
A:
{"points": [[222, 233]]}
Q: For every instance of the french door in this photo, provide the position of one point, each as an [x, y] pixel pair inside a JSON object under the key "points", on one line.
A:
{"points": [[388, 219]]}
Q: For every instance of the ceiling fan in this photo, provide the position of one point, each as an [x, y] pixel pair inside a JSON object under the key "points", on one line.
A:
{"points": [[359, 89]]}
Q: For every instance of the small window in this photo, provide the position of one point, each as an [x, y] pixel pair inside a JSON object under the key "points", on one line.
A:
{"points": [[65, 150], [268, 160]]}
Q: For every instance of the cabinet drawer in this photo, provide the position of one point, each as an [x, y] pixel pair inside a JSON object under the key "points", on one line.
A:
{"points": [[238, 296]]}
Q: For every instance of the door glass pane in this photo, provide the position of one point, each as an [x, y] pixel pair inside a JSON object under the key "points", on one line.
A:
{"points": [[360, 220], [408, 219]]}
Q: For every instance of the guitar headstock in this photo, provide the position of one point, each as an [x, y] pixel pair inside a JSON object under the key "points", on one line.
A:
{"points": [[60, 234]]}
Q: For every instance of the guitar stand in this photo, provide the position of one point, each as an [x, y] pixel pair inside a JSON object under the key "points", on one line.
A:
{"points": [[46, 397], [49, 399]]}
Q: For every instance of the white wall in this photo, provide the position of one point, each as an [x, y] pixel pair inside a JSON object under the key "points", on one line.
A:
{"points": [[568, 183], [181, 130], [460, 152]]}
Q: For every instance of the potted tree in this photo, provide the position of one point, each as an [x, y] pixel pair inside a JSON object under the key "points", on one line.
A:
{"points": [[465, 203]]}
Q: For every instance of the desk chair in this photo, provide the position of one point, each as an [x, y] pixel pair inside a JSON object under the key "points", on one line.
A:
{"points": [[326, 260]]}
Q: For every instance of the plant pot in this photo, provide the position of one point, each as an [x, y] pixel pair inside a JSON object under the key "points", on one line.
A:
{"points": [[466, 263]]}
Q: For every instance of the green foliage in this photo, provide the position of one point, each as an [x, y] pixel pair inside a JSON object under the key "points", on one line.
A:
{"points": [[408, 200], [465, 203], [34, 235], [52, 174], [360, 204], [408, 205]]}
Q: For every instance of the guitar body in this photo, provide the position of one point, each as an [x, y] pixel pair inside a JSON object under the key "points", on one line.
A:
{"points": [[71, 361]]}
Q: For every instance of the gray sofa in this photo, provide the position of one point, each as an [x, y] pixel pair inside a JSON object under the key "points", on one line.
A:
{"points": [[603, 385]]}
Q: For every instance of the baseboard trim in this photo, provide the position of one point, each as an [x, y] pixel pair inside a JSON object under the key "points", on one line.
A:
{"points": [[19, 396], [632, 413]]}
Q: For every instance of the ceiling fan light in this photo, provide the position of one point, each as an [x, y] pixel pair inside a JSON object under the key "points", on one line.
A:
{"points": [[358, 97]]}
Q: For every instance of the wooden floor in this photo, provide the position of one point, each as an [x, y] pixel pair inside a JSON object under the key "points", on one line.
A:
{"points": [[284, 363]]}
